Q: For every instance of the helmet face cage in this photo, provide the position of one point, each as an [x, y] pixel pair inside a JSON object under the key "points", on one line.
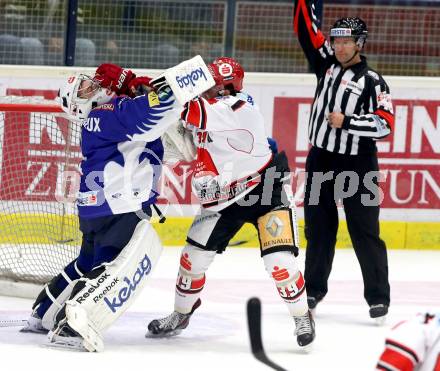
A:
{"points": [[87, 90], [227, 72], [350, 27], [78, 99]]}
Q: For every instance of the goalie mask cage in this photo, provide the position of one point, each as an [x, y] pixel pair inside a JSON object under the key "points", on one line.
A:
{"points": [[39, 173]]}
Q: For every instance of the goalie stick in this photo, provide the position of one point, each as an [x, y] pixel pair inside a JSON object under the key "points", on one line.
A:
{"points": [[13, 322], [254, 323]]}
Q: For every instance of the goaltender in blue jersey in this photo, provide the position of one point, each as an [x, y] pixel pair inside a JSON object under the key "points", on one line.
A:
{"points": [[123, 153], [122, 157]]}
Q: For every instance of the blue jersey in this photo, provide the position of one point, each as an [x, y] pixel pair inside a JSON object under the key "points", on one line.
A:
{"points": [[122, 153]]}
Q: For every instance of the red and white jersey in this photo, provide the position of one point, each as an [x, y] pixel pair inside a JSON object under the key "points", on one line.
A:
{"points": [[232, 148], [413, 345]]}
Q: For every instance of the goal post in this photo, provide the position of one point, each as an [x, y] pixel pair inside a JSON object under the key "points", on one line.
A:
{"points": [[39, 175]]}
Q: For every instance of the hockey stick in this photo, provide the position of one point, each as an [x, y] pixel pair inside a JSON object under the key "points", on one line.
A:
{"points": [[237, 243], [254, 323], [13, 322]]}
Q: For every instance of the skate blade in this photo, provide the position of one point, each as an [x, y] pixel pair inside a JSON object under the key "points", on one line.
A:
{"points": [[380, 321], [163, 335], [75, 346], [32, 330], [307, 348]]}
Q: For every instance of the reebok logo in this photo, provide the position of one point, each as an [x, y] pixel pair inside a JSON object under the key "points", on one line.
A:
{"points": [[106, 290], [92, 288]]}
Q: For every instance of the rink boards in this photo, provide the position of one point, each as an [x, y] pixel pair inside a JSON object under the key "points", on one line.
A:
{"points": [[53, 230]]}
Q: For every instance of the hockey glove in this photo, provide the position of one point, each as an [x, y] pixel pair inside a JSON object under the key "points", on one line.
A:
{"points": [[114, 77], [139, 86]]}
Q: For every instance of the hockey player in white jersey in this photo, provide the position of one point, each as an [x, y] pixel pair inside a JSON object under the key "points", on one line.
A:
{"points": [[122, 154], [413, 345], [237, 179]]}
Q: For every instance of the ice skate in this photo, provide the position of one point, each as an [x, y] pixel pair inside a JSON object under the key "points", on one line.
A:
{"points": [[379, 313], [305, 330], [34, 325], [65, 337], [171, 325], [312, 302]]}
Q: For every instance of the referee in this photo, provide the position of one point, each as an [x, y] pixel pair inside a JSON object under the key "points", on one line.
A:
{"points": [[351, 110]]}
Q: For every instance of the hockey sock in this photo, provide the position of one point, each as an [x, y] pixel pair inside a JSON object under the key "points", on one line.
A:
{"points": [[194, 262], [289, 281]]}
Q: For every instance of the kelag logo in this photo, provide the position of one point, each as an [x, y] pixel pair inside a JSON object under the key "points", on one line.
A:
{"points": [[124, 294], [191, 78]]}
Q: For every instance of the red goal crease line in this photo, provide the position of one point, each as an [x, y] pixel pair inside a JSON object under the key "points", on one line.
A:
{"points": [[18, 107]]}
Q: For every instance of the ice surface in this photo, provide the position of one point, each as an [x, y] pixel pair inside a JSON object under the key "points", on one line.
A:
{"points": [[217, 338]]}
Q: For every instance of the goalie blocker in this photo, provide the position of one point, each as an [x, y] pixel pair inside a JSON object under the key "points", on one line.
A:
{"points": [[187, 80], [100, 297]]}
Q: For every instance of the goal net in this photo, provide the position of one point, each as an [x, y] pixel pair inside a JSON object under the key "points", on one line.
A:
{"points": [[39, 175]]}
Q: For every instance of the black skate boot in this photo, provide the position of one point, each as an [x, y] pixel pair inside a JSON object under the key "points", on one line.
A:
{"points": [[312, 302], [305, 329], [378, 312], [171, 325]]}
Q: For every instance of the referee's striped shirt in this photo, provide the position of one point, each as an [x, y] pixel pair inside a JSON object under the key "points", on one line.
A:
{"points": [[358, 92]]}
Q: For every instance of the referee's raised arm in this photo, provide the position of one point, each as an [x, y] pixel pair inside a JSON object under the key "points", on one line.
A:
{"points": [[316, 48]]}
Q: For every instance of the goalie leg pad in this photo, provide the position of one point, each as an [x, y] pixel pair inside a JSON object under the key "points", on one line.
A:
{"points": [[52, 298], [102, 299], [277, 232], [194, 262], [289, 281]]}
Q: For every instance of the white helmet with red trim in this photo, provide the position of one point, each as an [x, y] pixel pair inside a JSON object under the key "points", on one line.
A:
{"points": [[80, 94]]}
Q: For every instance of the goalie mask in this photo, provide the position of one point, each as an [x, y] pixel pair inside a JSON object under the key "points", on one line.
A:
{"points": [[80, 95], [350, 27], [227, 73]]}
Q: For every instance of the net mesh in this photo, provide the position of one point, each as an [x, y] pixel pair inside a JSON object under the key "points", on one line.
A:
{"points": [[39, 159]]}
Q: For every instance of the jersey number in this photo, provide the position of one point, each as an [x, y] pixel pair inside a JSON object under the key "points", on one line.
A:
{"points": [[203, 136]]}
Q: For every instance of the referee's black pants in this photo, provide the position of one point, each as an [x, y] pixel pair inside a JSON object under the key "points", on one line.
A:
{"points": [[321, 222]]}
